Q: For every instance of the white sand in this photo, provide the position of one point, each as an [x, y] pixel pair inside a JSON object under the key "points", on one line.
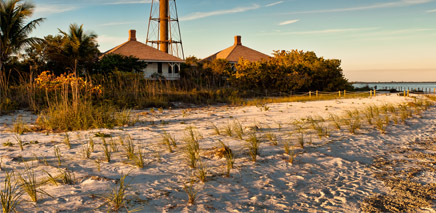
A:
{"points": [[331, 174]]}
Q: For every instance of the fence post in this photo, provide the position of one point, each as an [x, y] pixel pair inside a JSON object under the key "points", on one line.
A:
{"points": [[317, 93], [310, 94], [345, 93], [408, 93], [370, 93], [404, 91], [375, 92], [339, 94]]}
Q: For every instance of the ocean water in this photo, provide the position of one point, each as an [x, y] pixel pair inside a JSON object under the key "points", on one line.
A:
{"points": [[400, 86]]}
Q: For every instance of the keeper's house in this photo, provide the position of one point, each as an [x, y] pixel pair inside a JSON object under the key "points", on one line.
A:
{"points": [[237, 51], [160, 65]]}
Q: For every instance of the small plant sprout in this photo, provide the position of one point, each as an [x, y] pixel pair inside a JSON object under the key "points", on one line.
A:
{"points": [[91, 143], [286, 147], [192, 154], [193, 138], [58, 155], [292, 156], [51, 179], [169, 141], [139, 159], [191, 192], [67, 177], [117, 199], [19, 126], [121, 141], [30, 186], [353, 120], [10, 194], [86, 151], [216, 129], [238, 129], [279, 125], [8, 143], [201, 171], [253, 146], [336, 121], [106, 150], [301, 140], [228, 130], [228, 154], [381, 125], [19, 141], [67, 140], [130, 148], [272, 138], [113, 145], [98, 164]]}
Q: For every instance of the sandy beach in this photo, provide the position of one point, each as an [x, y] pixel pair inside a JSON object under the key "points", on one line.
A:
{"points": [[333, 170]]}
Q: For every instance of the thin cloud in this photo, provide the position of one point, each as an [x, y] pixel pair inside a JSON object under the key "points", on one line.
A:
{"points": [[431, 11], [274, 4], [53, 9], [401, 3], [288, 22], [129, 2], [329, 31], [200, 15]]}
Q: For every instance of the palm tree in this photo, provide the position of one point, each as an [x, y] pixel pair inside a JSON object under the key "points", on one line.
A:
{"points": [[80, 46], [14, 32]]}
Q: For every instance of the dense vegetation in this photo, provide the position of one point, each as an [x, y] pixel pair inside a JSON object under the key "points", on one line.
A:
{"points": [[59, 73]]}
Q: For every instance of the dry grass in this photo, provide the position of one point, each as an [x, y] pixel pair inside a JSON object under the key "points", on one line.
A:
{"points": [[10, 194]]}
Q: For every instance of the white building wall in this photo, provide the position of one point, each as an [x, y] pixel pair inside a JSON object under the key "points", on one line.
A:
{"points": [[152, 70]]}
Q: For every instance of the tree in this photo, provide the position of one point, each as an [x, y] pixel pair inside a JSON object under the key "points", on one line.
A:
{"points": [[79, 47], [14, 31], [112, 62]]}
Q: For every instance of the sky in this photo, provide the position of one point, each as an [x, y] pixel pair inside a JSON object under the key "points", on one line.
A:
{"points": [[376, 40]]}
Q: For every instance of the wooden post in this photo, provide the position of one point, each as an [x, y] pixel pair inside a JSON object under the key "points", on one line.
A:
{"points": [[375, 92], [339, 94], [434, 90], [404, 91], [345, 93], [310, 94], [370, 93], [317, 93], [408, 93]]}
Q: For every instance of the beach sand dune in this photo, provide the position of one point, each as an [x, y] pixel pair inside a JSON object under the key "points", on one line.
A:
{"points": [[331, 173]]}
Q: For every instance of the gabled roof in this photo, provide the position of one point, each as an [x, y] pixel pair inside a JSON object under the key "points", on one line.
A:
{"points": [[233, 53], [141, 51]]}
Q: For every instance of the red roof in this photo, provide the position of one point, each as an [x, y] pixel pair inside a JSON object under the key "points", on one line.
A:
{"points": [[233, 53], [142, 51]]}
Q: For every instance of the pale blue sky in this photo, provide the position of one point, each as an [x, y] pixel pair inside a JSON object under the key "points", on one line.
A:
{"points": [[381, 36]]}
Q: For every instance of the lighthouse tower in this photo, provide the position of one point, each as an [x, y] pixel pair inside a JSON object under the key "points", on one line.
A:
{"points": [[164, 29]]}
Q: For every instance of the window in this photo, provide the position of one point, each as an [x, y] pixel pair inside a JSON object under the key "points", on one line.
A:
{"points": [[176, 68], [170, 69], [159, 67]]}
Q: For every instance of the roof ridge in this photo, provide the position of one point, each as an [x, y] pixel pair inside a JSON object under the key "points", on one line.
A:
{"points": [[116, 48], [233, 49]]}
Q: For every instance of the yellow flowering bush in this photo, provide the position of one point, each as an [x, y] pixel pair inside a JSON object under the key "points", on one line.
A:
{"points": [[48, 81]]}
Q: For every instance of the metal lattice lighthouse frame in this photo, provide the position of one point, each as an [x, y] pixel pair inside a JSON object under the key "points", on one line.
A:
{"points": [[164, 29]]}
